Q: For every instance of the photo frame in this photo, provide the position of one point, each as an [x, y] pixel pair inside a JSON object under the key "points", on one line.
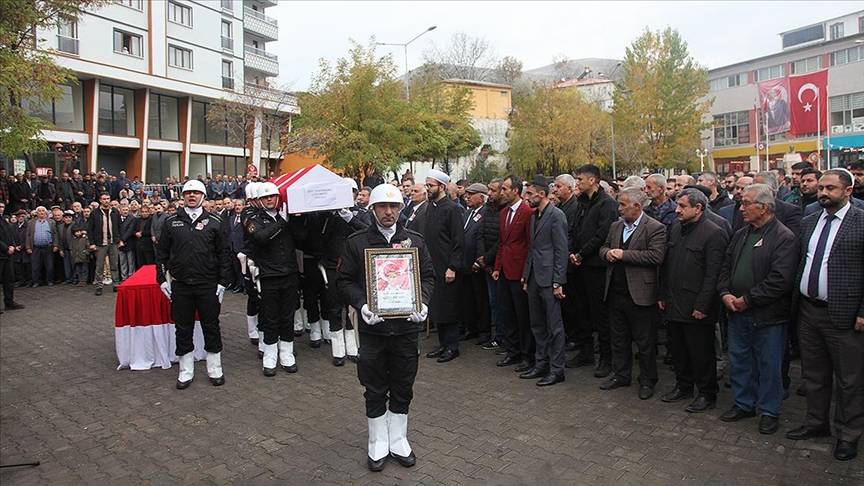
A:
{"points": [[393, 281]]}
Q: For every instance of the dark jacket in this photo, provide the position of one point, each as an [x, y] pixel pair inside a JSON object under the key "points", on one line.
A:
{"points": [[416, 220], [788, 214], [721, 201], [688, 281], [814, 207], [665, 213], [646, 249], [94, 226], [775, 260], [128, 227], [732, 214], [194, 253], [352, 275], [7, 239], [444, 239], [487, 245], [548, 254], [473, 227], [591, 227], [273, 243]]}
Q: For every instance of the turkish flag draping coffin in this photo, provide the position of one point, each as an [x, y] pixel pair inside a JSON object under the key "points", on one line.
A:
{"points": [[809, 102], [314, 188]]}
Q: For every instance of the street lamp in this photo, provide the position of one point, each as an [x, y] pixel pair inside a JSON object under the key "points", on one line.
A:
{"points": [[701, 153], [405, 47], [612, 124]]}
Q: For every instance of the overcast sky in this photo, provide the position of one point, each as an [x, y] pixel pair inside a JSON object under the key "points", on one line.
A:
{"points": [[718, 33]]}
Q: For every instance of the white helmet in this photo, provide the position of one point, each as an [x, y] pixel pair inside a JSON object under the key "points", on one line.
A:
{"points": [[267, 189], [250, 190], [385, 193], [352, 182], [194, 185]]}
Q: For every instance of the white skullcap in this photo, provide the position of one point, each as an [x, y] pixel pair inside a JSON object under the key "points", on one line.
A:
{"points": [[438, 176]]}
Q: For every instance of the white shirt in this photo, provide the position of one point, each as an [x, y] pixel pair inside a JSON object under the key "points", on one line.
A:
{"points": [[630, 228], [822, 294], [513, 209], [388, 233], [193, 213]]}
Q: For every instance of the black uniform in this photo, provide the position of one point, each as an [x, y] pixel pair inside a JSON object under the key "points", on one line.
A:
{"points": [[253, 300], [388, 350], [196, 255]]}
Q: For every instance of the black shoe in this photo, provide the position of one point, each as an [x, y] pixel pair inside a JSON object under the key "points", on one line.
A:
{"points": [[845, 450], [735, 414], [98, 291], [523, 367], [218, 381], [289, 369], [481, 340], [14, 306], [701, 404], [353, 359], [114, 288], [550, 379], [253, 341], [579, 361], [768, 424], [437, 352], [533, 374], [500, 351], [182, 385], [298, 334], [50, 284], [613, 383], [676, 395], [490, 345], [269, 371], [801, 391], [376, 466], [570, 346], [338, 361], [34, 285], [447, 355], [508, 360], [646, 392], [604, 368], [405, 461], [315, 344], [804, 432]]}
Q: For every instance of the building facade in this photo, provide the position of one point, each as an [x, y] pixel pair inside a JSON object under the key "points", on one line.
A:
{"points": [[147, 73], [737, 139]]}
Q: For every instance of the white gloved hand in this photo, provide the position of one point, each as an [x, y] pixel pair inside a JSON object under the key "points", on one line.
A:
{"points": [[253, 273], [220, 292], [283, 211], [241, 257], [346, 214], [418, 317], [166, 289], [370, 317]]}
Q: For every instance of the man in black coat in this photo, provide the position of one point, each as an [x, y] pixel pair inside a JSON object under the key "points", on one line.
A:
{"points": [[565, 189], [475, 297], [787, 213], [127, 246], [103, 230], [7, 274], [444, 236], [487, 249], [689, 301]]}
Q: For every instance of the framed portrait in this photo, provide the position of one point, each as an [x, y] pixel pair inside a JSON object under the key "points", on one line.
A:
{"points": [[393, 281]]}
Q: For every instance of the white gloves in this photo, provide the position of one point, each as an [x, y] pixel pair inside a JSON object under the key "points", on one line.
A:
{"points": [[166, 289], [370, 317], [283, 211], [220, 292], [253, 273], [346, 214], [418, 317], [242, 258]]}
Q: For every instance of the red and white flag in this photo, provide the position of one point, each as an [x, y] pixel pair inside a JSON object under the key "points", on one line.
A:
{"points": [[809, 102]]}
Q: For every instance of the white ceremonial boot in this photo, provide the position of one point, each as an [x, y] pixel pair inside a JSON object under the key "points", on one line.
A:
{"points": [[252, 328], [397, 431], [286, 356], [299, 322], [325, 330], [315, 334], [337, 343], [351, 344], [260, 345], [187, 371], [268, 362], [214, 369], [379, 445]]}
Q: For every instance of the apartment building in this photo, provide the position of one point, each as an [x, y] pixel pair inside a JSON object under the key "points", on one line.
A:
{"points": [[148, 71]]}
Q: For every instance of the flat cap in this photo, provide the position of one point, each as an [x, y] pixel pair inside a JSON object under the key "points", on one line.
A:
{"points": [[477, 187]]}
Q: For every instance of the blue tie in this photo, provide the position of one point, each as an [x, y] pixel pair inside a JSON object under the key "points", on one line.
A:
{"points": [[816, 264]]}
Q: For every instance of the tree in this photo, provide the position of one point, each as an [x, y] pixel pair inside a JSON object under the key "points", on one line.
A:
{"points": [[465, 57], [661, 101], [27, 75], [510, 69], [555, 131]]}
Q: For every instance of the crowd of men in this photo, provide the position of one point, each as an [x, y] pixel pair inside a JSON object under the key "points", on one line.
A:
{"points": [[746, 269]]}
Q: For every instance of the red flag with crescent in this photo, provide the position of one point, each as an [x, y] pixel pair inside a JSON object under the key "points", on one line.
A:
{"points": [[809, 102]]}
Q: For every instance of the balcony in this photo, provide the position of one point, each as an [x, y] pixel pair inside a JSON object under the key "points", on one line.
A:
{"points": [[261, 25], [262, 61], [67, 44], [283, 98], [227, 43]]}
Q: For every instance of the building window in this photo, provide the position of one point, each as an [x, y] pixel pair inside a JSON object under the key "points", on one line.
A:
{"points": [[180, 14], [227, 5], [164, 122], [861, 25], [728, 82], [126, 43], [732, 129], [65, 112], [136, 4], [227, 165], [770, 72], [801, 36], [836, 30], [179, 57], [204, 131], [227, 36], [161, 165], [67, 37], [807, 65], [227, 75], [847, 113], [116, 110], [845, 56]]}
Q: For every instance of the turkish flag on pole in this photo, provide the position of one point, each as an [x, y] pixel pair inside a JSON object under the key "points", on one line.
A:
{"points": [[809, 102]]}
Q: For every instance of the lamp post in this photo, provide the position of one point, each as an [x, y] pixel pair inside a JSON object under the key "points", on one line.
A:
{"points": [[701, 153], [405, 47], [612, 124]]}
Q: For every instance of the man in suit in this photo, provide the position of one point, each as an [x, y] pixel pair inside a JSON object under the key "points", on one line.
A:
{"points": [[543, 279], [235, 244], [414, 216], [597, 211], [815, 207], [475, 298], [103, 230], [7, 273], [487, 249], [689, 301], [755, 286], [41, 242], [831, 316], [568, 202], [514, 242], [634, 248], [786, 213], [127, 245]]}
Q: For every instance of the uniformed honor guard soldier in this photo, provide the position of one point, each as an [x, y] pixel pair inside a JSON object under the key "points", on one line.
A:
{"points": [[388, 347], [275, 261], [245, 256], [192, 270]]}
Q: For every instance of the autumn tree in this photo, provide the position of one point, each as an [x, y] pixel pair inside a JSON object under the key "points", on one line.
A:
{"points": [[27, 75], [661, 101], [465, 57]]}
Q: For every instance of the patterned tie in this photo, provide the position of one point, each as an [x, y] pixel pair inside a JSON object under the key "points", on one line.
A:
{"points": [[816, 263]]}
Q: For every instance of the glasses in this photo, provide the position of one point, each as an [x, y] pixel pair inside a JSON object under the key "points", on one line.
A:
{"points": [[749, 203]]}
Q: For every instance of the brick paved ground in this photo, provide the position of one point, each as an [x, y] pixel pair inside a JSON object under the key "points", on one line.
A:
{"points": [[63, 403]]}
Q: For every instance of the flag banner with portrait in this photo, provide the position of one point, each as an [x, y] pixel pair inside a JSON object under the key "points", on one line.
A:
{"points": [[809, 103], [774, 100]]}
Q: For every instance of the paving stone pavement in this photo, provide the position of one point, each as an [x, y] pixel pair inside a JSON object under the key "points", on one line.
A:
{"points": [[63, 402]]}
